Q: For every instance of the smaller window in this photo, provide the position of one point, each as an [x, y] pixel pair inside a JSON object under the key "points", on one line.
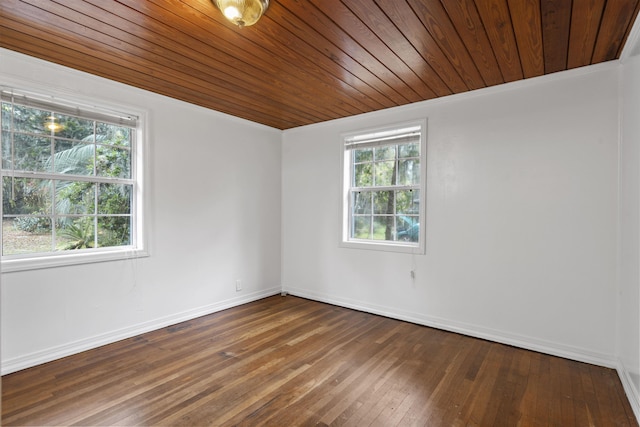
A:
{"points": [[384, 191]]}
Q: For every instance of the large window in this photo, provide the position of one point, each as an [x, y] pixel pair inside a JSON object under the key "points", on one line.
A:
{"points": [[384, 173], [70, 181]]}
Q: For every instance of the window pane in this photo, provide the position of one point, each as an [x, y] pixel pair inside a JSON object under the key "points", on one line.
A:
{"points": [[405, 222], [26, 235], [408, 202], [6, 150], [409, 150], [363, 155], [361, 202], [31, 120], [113, 134], [114, 231], [114, 199], [75, 233], [75, 197], [383, 202], [73, 158], [361, 227], [6, 116], [385, 153], [74, 128], [409, 172], [362, 175], [411, 233], [31, 152], [113, 162], [384, 173], [383, 228], [26, 196]]}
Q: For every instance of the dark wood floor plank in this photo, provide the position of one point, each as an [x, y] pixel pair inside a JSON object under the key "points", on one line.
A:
{"points": [[290, 361], [530, 399]]}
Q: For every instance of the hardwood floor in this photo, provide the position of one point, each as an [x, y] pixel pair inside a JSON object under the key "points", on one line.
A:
{"points": [[287, 361]]}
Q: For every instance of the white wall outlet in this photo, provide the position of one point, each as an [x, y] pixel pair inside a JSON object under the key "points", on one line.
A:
{"points": [[238, 285]]}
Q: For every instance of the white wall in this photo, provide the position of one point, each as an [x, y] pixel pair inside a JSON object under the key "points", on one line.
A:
{"points": [[214, 218], [629, 292], [521, 217]]}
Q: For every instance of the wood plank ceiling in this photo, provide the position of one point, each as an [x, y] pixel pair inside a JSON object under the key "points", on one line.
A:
{"points": [[308, 61]]}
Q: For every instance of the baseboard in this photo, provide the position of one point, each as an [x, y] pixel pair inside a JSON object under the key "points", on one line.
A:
{"points": [[520, 341], [57, 352], [633, 394]]}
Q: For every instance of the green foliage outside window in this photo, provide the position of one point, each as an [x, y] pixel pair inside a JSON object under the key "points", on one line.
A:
{"points": [[390, 213], [84, 198]]}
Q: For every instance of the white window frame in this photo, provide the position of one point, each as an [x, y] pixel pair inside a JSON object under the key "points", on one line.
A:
{"points": [[139, 173], [345, 210]]}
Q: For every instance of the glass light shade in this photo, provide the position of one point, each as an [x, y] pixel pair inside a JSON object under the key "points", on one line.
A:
{"points": [[242, 12]]}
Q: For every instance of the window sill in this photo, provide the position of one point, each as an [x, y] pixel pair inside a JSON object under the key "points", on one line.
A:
{"points": [[385, 247], [61, 260]]}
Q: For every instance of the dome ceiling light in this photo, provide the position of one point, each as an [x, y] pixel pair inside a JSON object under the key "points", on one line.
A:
{"points": [[242, 13]]}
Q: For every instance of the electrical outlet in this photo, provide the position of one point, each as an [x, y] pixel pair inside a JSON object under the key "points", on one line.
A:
{"points": [[238, 285]]}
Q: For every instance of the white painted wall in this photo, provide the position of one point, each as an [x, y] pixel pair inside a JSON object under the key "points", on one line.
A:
{"points": [[215, 217], [521, 217], [629, 293]]}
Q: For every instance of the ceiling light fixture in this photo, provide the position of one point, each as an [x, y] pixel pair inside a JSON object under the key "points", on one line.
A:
{"points": [[243, 13]]}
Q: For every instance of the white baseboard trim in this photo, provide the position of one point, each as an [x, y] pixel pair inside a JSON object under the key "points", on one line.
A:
{"points": [[520, 341], [58, 352], [633, 394]]}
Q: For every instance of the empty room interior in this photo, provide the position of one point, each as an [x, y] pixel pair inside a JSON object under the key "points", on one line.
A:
{"points": [[322, 212]]}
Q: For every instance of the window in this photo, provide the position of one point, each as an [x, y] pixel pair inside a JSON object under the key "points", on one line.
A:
{"points": [[384, 190], [71, 183]]}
